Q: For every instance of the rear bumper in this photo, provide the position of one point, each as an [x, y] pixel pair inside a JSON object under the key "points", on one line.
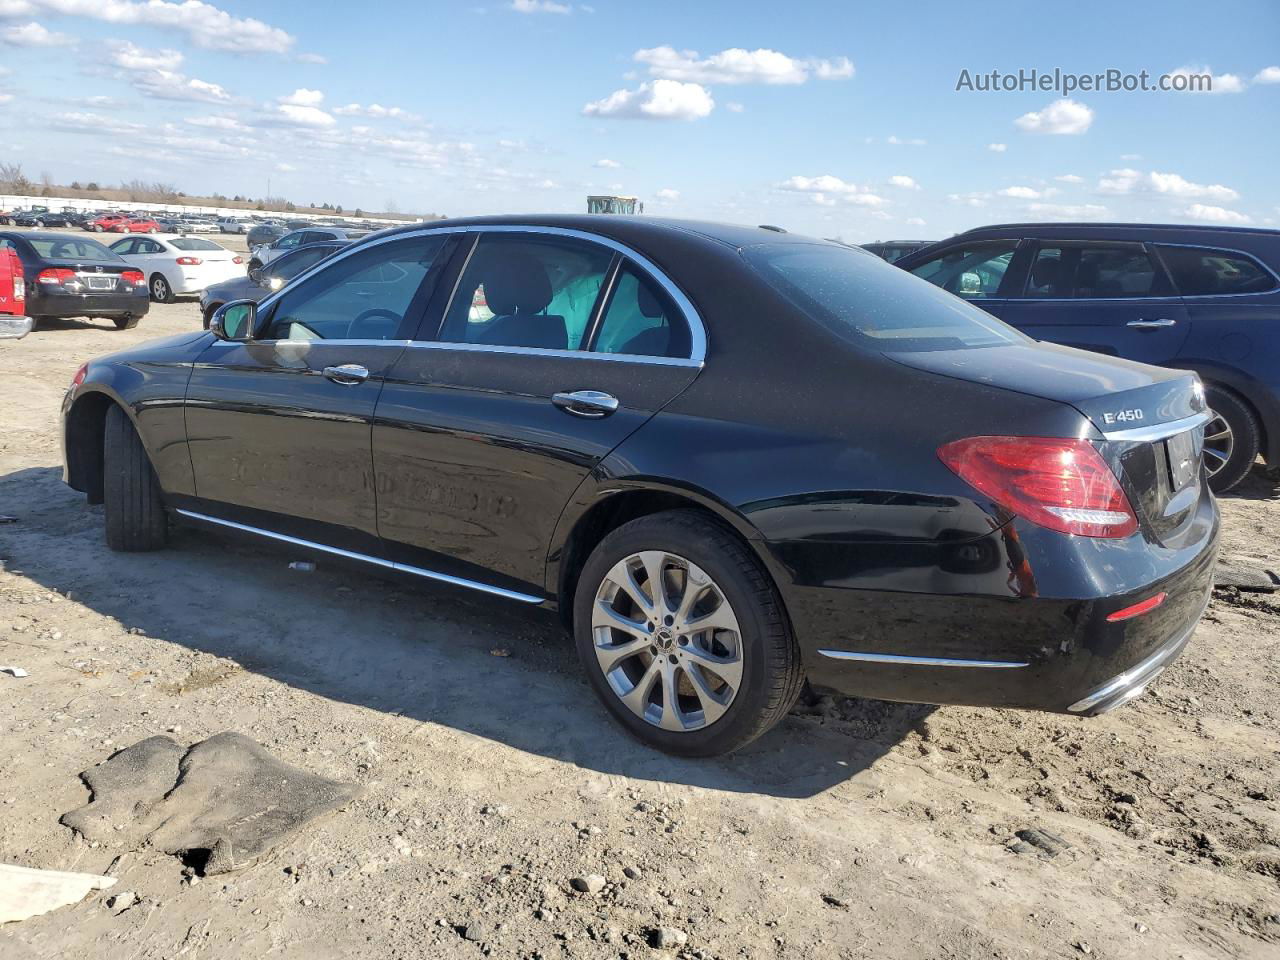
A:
{"points": [[47, 304]]}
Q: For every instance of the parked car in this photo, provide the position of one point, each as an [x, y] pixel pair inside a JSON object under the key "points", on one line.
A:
{"points": [[910, 500], [172, 225], [134, 225], [893, 250], [260, 256], [1193, 297], [261, 281], [264, 233], [70, 276], [235, 225], [199, 225], [40, 220], [13, 216], [104, 222], [14, 322], [179, 265]]}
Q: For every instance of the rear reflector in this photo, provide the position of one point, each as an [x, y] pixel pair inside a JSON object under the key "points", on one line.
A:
{"points": [[1138, 609], [1061, 484]]}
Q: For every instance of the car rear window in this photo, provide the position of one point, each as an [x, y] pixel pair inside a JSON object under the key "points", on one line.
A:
{"points": [[873, 304], [193, 243], [56, 248], [1204, 272]]}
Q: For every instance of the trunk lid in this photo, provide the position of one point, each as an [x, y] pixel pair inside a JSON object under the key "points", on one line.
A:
{"points": [[1151, 418]]}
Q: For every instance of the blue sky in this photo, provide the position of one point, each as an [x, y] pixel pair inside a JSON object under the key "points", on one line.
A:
{"points": [[834, 118]]}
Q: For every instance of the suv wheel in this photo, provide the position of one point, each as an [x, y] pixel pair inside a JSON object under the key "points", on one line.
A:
{"points": [[1231, 439], [683, 636], [134, 510]]}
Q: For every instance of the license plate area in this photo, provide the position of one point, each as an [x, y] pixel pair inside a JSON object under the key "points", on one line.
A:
{"points": [[1183, 452], [101, 283]]}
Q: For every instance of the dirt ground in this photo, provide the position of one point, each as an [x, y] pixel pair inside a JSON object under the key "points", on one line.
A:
{"points": [[493, 778]]}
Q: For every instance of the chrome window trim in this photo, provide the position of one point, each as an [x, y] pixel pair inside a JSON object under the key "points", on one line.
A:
{"points": [[921, 661], [1159, 431], [697, 330], [548, 352], [365, 558]]}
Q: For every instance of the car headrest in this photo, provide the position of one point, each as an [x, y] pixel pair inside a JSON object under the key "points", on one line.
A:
{"points": [[516, 284], [650, 306], [1045, 273]]}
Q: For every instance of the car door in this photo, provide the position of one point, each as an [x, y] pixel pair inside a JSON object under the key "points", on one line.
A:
{"points": [[984, 272], [279, 427], [546, 353], [1106, 296]]}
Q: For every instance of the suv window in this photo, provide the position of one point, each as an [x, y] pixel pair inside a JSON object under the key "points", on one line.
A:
{"points": [[1202, 272], [526, 290], [641, 320], [364, 297], [872, 304], [286, 268], [288, 241], [972, 270], [1098, 272]]}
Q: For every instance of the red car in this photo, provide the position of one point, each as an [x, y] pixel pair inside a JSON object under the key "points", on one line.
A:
{"points": [[134, 225], [104, 222], [13, 286]]}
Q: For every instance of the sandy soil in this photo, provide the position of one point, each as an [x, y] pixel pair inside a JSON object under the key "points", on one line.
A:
{"points": [[492, 777]]}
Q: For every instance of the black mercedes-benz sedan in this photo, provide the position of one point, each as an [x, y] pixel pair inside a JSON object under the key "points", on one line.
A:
{"points": [[734, 459], [72, 276]]}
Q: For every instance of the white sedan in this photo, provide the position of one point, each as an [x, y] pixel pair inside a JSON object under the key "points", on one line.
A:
{"points": [[175, 265]]}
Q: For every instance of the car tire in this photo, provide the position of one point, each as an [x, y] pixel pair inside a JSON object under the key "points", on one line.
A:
{"points": [[1232, 438], [750, 694], [97, 228], [153, 230], [161, 289], [125, 323], [38, 224], [134, 509]]}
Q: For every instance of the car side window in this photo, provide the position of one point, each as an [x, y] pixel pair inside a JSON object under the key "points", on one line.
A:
{"points": [[289, 241], [526, 290], [147, 246], [125, 247], [1202, 272], [362, 297], [641, 320], [296, 263], [1101, 272], [973, 270]]}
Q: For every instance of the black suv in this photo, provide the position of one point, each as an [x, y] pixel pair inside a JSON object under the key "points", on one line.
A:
{"points": [[1199, 298]]}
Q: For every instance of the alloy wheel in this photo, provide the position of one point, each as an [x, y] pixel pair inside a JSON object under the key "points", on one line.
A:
{"points": [[160, 289], [667, 641], [1219, 444]]}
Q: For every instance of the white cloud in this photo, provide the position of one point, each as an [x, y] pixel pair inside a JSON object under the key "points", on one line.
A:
{"points": [[1063, 116], [667, 195], [906, 142], [607, 164], [969, 199], [302, 97], [997, 147], [1071, 211], [826, 188], [902, 180], [1129, 181], [1069, 178], [34, 35], [738, 66], [1219, 82], [734, 107], [297, 115], [658, 99], [1200, 211], [216, 123], [1020, 193], [372, 110], [1267, 75], [914, 222], [205, 25], [169, 85], [127, 56], [285, 168], [5, 97], [1130, 157], [539, 6], [318, 58]]}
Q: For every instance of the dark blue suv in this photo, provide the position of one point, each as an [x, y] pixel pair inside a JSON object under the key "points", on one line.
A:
{"points": [[1201, 298]]}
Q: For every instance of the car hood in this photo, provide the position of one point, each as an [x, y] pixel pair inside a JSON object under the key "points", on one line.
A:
{"points": [[237, 288], [1112, 392], [179, 347]]}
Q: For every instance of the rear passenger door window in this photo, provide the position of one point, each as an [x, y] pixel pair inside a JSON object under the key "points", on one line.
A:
{"points": [[1094, 272], [641, 320], [525, 290], [974, 271], [1204, 272]]}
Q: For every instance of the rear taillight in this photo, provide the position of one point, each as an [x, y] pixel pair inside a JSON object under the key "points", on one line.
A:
{"points": [[55, 276], [189, 261], [19, 289], [1064, 485], [80, 375], [237, 259], [133, 277]]}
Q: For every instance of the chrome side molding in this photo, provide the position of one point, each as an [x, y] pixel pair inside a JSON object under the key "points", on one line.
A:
{"points": [[1159, 431], [365, 558], [920, 661]]}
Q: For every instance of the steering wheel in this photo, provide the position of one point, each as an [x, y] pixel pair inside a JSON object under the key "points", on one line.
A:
{"points": [[391, 315]]}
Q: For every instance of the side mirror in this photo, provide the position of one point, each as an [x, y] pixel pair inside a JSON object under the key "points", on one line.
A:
{"points": [[234, 321], [255, 274], [15, 328]]}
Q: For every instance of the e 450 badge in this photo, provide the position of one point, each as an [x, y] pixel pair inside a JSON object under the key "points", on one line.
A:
{"points": [[1122, 416]]}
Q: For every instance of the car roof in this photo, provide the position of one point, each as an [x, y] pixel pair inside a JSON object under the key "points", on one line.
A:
{"points": [[1036, 229], [625, 227]]}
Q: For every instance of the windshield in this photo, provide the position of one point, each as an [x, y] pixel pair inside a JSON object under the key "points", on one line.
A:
{"points": [[192, 243], [72, 248], [878, 306]]}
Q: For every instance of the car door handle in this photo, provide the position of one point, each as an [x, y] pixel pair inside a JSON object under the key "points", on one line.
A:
{"points": [[1151, 324], [586, 403], [348, 373]]}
